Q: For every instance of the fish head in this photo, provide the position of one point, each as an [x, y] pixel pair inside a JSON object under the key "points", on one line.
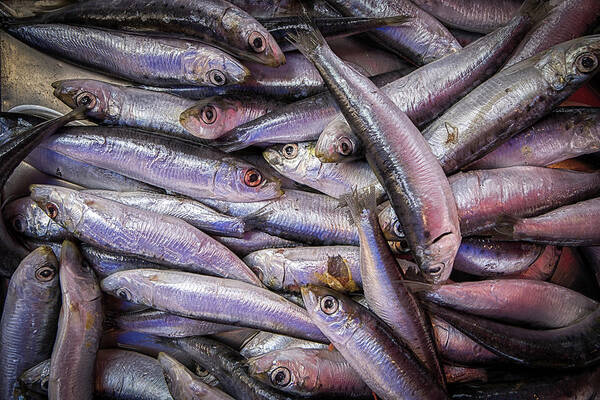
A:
{"points": [[25, 218], [294, 160], [337, 143], [134, 286], [212, 117], [269, 266], [242, 182], [437, 259], [290, 370], [103, 100], [61, 205], [390, 225], [36, 378], [36, 277], [334, 313], [77, 278], [208, 66]]}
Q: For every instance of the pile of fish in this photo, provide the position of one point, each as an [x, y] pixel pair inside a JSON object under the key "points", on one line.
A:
{"points": [[382, 199]]}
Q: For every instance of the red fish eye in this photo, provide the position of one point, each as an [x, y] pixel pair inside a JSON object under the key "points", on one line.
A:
{"points": [[257, 42], [252, 178], [51, 210], [87, 99], [208, 114]]}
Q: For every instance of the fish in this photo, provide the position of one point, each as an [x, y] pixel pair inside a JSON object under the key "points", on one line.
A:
{"points": [[26, 219], [565, 133], [469, 15], [193, 212], [262, 342], [105, 263], [570, 225], [179, 166], [383, 362], [252, 241], [404, 165], [510, 101], [225, 301], [276, 8], [523, 302], [230, 369], [142, 59], [216, 22], [543, 267], [24, 175], [158, 238], [184, 385], [29, 317], [79, 329]]}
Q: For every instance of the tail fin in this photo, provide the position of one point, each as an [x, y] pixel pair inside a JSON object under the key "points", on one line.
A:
{"points": [[307, 40], [361, 200], [257, 219], [537, 9], [505, 225]]}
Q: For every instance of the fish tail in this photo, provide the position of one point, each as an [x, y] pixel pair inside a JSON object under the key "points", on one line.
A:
{"points": [[505, 225], [536, 9], [307, 40], [256, 219], [418, 287], [361, 200], [391, 21], [77, 113]]}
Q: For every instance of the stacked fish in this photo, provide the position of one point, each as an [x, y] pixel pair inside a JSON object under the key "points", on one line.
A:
{"points": [[277, 206]]}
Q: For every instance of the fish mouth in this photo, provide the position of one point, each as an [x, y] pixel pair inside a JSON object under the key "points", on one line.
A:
{"points": [[273, 157]]}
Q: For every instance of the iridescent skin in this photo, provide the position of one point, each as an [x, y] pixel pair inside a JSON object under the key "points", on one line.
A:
{"points": [[416, 185], [471, 15], [213, 299], [158, 238], [385, 364], [184, 385], [301, 165], [191, 211], [262, 342], [571, 225], [290, 268], [523, 302], [252, 241], [422, 39], [510, 101], [138, 58], [311, 372], [24, 175], [427, 92], [260, 8], [543, 267], [217, 22], [29, 317], [225, 114], [568, 20], [81, 173], [27, 219], [182, 167], [79, 329], [124, 374], [565, 133], [125, 105], [105, 263]]}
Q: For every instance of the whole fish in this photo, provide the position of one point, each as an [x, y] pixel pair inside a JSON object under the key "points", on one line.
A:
{"points": [[122, 374], [383, 286], [574, 346], [138, 58], [106, 263], [308, 372], [230, 369], [565, 133], [471, 15], [155, 237], [517, 97], [193, 170], [184, 385], [79, 329], [163, 324], [570, 19], [28, 220], [415, 183], [536, 304], [571, 225], [191, 211], [217, 22], [81, 173], [252, 241], [384, 363], [29, 317], [212, 299], [299, 162], [291, 268], [262, 342]]}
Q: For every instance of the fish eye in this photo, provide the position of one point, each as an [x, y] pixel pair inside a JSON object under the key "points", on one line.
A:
{"points": [[45, 273], [52, 210], [252, 178], [44, 384], [87, 99], [124, 294], [257, 42], [329, 304], [586, 62], [18, 224], [345, 146], [216, 77], [290, 150], [281, 376], [208, 114]]}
